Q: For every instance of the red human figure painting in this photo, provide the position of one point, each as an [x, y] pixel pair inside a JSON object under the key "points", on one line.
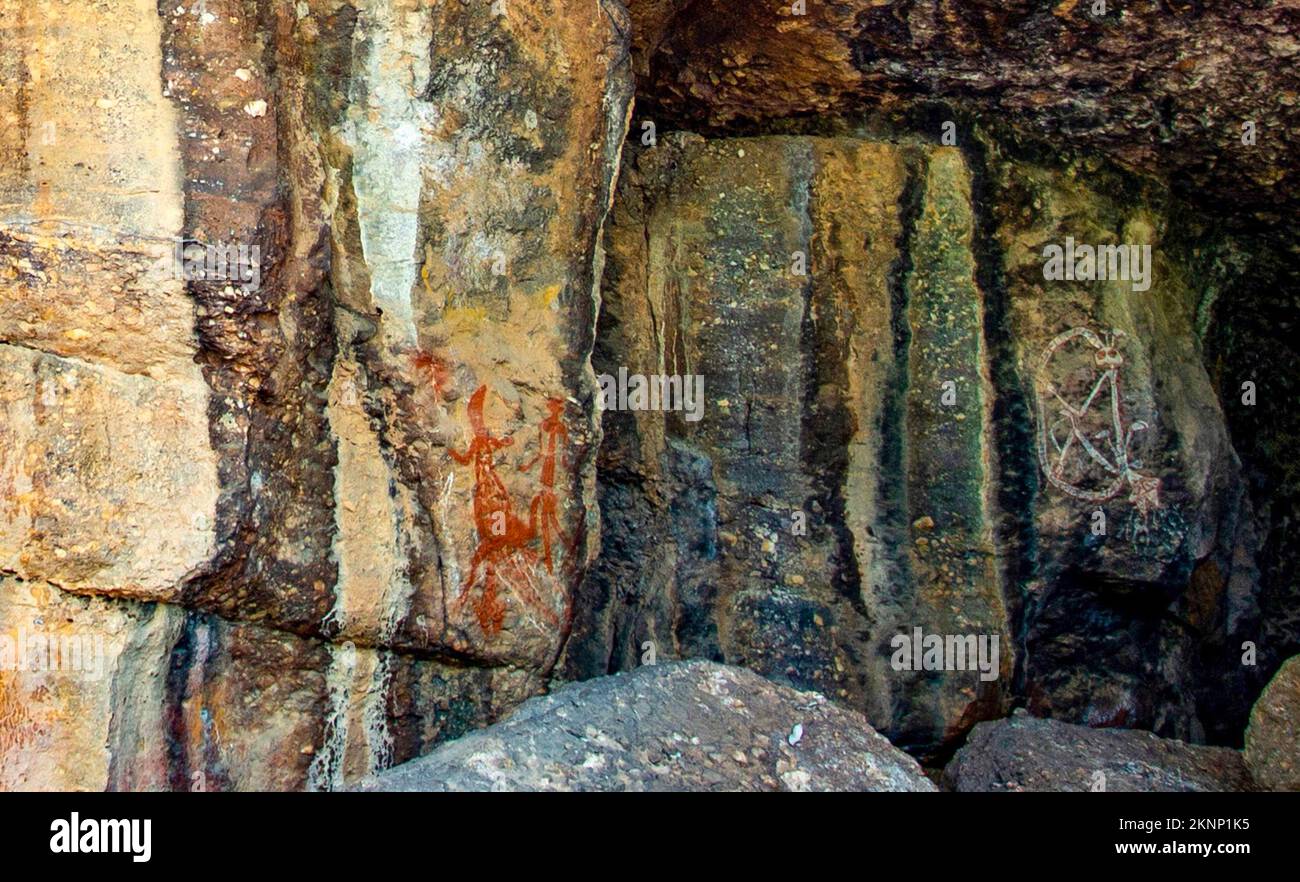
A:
{"points": [[503, 539], [435, 368], [543, 513]]}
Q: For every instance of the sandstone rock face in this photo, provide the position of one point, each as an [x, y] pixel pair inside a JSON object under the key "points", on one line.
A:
{"points": [[1027, 754], [296, 415], [680, 726], [82, 688], [1165, 88], [1174, 538], [1273, 736], [104, 413], [894, 394], [963, 330]]}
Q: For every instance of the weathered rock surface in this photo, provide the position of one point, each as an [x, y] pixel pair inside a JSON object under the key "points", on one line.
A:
{"points": [[1023, 753], [771, 268], [1161, 87], [317, 512], [678, 726], [113, 694], [1161, 584], [888, 380], [463, 272], [355, 555], [82, 687], [1273, 737], [103, 411]]}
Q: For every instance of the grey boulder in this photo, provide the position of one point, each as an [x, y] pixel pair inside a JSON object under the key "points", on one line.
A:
{"points": [[1024, 753], [674, 726]]}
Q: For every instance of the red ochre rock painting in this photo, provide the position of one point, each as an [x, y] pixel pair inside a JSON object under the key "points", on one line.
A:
{"points": [[505, 561], [553, 436], [435, 369]]}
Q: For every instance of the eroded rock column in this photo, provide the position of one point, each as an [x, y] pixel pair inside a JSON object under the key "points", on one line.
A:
{"points": [[826, 500]]}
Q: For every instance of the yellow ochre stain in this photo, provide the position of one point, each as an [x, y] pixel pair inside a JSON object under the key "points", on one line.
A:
{"points": [[548, 295], [466, 314]]}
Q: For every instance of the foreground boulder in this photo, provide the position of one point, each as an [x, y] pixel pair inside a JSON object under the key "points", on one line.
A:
{"points": [[1273, 736], [1026, 753], [680, 726]]}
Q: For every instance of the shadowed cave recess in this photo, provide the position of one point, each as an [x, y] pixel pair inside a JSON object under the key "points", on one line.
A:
{"points": [[331, 517]]}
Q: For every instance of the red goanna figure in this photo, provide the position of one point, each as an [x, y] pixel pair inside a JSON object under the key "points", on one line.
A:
{"points": [[502, 537]]}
